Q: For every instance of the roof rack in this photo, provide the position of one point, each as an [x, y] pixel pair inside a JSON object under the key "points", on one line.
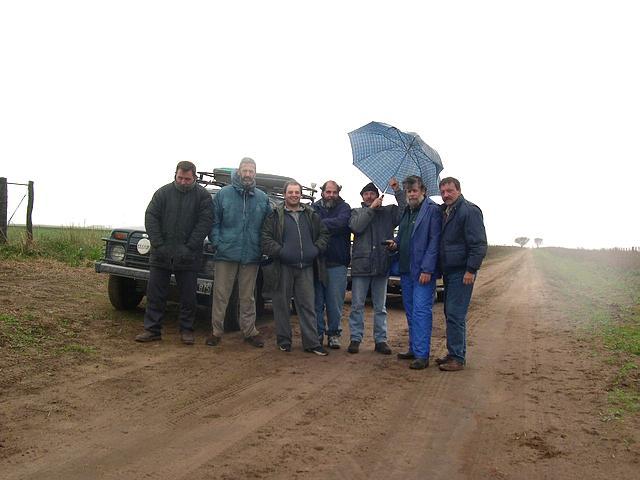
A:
{"points": [[268, 183]]}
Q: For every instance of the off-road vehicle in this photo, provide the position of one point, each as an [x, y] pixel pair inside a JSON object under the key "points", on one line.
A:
{"points": [[126, 256]]}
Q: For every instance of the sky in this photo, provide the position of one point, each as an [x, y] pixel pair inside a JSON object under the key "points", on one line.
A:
{"points": [[533, 106]]}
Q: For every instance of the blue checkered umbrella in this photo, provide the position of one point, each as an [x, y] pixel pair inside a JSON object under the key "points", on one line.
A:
{"points": [[381, 151]]}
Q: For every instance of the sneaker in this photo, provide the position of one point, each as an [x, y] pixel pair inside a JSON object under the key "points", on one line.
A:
{"points": [[419, 364], [187, 337], [284, 348], [255, 341], [334, 342], [212, 340], [319, 350], [148, 336], [354, 347], [441, 360], [383, 348], [408, 355], [451, 365]]}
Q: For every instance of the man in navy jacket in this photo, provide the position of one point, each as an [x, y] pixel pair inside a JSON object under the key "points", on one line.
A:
{"points": [[463, 246], [418, 242], [329, 293]]}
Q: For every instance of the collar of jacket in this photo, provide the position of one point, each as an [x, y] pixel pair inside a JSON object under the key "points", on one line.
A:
{"points": [[236, 181]]}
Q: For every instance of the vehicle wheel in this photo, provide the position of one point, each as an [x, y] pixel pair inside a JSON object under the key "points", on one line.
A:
{"points": [[232, 315], [123, 293]]}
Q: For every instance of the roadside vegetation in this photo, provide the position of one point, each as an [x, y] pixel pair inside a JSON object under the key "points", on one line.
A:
{"points": [[72, 245], [602, 293]]}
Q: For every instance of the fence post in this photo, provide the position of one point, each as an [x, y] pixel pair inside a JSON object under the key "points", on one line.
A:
{"points": [[3, 210], [29, 212]]}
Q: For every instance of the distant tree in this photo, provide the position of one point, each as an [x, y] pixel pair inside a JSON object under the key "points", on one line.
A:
{"points": [[522, 241], [538, 242]]}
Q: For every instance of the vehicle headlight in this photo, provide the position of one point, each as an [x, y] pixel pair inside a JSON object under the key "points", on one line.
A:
{"points": [[117, 253]]}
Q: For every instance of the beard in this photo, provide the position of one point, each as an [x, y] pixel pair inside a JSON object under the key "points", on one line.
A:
{"points": [[415, 203], [330, 203]]}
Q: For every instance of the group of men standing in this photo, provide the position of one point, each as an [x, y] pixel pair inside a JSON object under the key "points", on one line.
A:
{"points": [[311, 249]]}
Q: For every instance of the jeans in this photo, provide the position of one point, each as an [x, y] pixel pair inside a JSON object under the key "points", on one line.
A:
{"points": [[158, 291], [359, 288], [457, 297], [331, 296], [418, 305]]}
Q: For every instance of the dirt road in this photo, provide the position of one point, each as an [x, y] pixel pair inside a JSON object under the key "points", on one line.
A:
{"points": [[529, 405]]}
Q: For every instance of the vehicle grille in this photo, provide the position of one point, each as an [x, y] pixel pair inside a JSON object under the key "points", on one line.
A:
{"points": [[134, 259]]}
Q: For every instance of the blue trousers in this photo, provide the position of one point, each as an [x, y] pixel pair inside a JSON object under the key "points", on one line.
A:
{"points": [[457, 297], [359, 288], [418, 306], [330, 297]]}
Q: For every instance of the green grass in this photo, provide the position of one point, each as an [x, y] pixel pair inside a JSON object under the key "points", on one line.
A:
{"points": [[77, 348], [71, 245], [603, 291], [19, 334]]}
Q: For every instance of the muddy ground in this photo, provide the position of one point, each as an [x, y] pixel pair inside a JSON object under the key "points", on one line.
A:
{"points": [[531, 403]]}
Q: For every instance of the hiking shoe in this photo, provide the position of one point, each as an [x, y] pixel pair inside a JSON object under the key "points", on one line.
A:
{"points": [[408, 355], [255, 341], [319, 350], [148, 336], [419, 364], [383, 348], [334, 342], [187, 337], [284, 348], [451, 365], [354, 347], [212, 340], [441, 360]]}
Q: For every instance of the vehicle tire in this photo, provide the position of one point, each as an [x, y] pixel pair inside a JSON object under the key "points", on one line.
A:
{"points": [[232, 315], [123, 293]]}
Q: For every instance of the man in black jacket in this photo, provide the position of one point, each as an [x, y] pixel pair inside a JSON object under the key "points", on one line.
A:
{"points": [[294, 236], [177, 220], [463, 245]]}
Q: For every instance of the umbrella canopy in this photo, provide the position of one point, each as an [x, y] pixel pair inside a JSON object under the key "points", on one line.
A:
{"points": [[381, 151]]}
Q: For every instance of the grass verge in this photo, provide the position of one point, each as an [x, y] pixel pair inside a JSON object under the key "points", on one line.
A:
{"points": [[71, 245], [603, 288]]}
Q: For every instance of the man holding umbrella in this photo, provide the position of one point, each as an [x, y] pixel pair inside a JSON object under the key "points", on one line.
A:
{"points": [[373, 227], [418, 241]]}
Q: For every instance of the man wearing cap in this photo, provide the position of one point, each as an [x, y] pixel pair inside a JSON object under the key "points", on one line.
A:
{"points": [[463, 245], [373, 226], [177, 221], [335, 214], [239, 210]]}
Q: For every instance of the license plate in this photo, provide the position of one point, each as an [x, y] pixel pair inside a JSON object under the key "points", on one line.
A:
{"points": [[204, 287]]}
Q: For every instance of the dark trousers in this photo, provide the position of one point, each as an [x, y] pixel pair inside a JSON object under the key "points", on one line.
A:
{"points": [[158, 291]]}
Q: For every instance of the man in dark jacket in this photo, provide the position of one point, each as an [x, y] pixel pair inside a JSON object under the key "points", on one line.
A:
{"points": [[238, 212], [372, 225], [177, 220], [463, 246], [418, 243], [335, 214], [294, 236]]}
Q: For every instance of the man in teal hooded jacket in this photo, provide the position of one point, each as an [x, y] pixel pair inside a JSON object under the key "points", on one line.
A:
{"points": [[238, 212]]}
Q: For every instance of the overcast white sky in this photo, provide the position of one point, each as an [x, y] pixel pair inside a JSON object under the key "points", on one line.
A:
{"points": [[534, 106]]}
